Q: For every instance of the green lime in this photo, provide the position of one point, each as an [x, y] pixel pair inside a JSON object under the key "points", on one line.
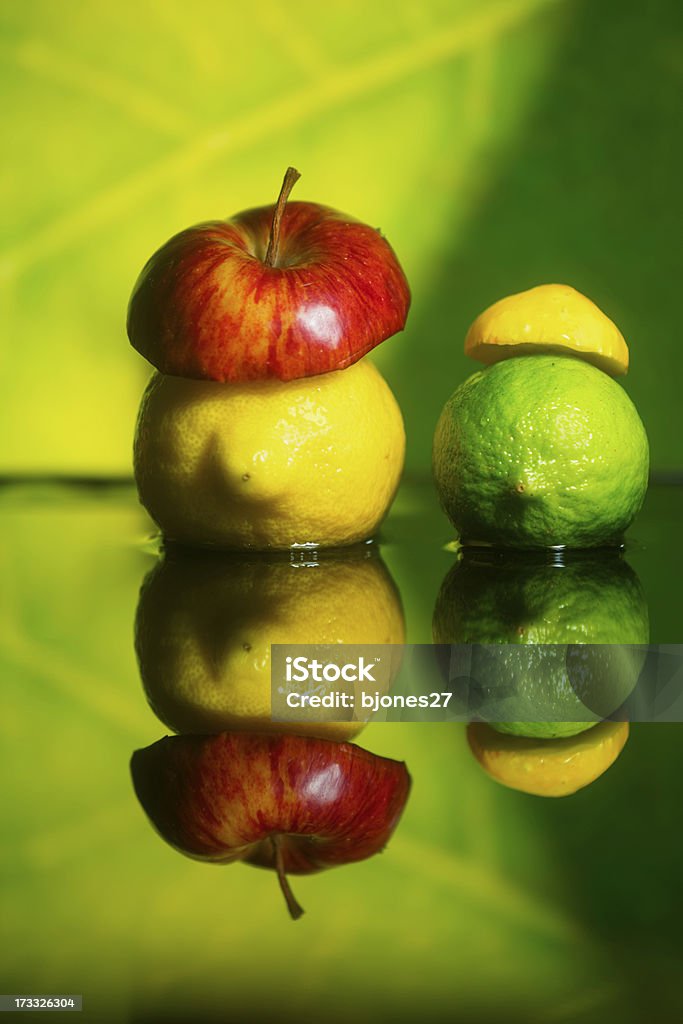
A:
{"points": [[541, 451], [545, 682]]}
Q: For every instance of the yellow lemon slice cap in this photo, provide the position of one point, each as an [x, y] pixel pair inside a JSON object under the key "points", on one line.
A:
{"points": [[548, 318]]}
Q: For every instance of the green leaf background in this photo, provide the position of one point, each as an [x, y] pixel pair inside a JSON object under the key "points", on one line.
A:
{"points": [[498, 144]]}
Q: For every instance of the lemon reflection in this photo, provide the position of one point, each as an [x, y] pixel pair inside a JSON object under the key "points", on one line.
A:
{"points": [[205, 625], [550, 767]]}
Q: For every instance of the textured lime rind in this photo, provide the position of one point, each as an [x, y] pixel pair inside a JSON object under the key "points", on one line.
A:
{"points": [[542, 451]]}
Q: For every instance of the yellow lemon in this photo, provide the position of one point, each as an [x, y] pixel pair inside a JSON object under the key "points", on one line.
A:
{"points": [[548, 318], [205, 625], [551, 767], [312, 462]]}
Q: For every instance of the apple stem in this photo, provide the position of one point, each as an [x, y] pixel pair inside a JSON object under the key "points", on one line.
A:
{"points": [[288, 182], [294, 908]]}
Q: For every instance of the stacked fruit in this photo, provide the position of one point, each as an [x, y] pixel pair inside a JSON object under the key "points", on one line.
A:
{"points": [[544, 450], [264, 428]]}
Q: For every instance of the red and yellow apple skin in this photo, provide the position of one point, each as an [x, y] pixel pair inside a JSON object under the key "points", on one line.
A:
{"points": [[207, 306], [225, 798]]}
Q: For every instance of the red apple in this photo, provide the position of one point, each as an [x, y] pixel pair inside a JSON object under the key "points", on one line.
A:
{"points": [[280, 291], [292, 803]]}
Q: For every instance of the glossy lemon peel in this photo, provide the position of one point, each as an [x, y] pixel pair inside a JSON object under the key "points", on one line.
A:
{"points": [[549, 318], [270, 465]]}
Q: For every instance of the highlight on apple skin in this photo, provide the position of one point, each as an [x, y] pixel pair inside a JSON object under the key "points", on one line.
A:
{"points": [[279, 291], [292, 803]]}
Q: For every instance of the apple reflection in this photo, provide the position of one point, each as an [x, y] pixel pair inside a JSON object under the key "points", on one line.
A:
{"points": [[290, 803]]}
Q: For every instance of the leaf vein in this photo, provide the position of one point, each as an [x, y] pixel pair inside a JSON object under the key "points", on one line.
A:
{"points": [[342, 86]]}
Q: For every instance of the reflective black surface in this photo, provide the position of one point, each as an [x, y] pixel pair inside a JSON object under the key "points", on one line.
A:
{"points": [[487, 903]]}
